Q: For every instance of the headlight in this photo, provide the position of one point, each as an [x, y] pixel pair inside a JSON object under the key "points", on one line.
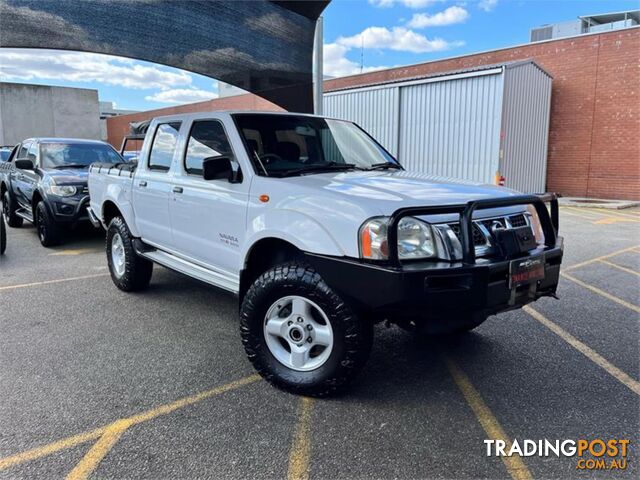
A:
{"points": [[63, 190], [415, 239]]}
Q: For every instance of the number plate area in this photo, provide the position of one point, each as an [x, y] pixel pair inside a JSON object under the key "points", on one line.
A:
{"points": [[526, 270]]}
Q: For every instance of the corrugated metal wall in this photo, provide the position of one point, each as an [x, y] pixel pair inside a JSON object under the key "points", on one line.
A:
{"points": [[453, 125], [451, 128], [375, 110], [527, 105]]}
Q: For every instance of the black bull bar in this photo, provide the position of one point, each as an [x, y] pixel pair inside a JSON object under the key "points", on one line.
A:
{"points": [[548, 220]]}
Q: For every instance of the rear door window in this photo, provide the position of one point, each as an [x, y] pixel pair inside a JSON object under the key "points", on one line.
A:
{"points": [[164, 146]]}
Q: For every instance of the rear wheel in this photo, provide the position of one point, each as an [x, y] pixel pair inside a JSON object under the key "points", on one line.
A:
{"points": [[129, 271], [9, 211], [49, 231], [300, 335]]}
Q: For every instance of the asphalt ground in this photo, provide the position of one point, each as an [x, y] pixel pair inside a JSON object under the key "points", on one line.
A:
{"points": [[102, 384]]}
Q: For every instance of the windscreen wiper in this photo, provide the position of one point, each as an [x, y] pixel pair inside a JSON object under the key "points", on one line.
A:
{"points": [[71, 165], [319, 168], [385, 166]]}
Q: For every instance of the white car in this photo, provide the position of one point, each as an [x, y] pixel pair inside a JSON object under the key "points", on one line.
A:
{"points": [[320, 233]]}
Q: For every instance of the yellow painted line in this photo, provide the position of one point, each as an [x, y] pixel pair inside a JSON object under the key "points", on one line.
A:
{"points": [[564, 212], [619, 267], [612, 220], [613, 298], [100, 449], [77, 251], [585, 213], [133, 420], [301, 447], [618, 213], [54, 447], [515, 466], [603, 257], [49, 282], [588, 352]]}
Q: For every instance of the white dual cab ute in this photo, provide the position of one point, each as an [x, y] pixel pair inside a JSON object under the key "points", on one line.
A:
{"points": [[320, 233]]}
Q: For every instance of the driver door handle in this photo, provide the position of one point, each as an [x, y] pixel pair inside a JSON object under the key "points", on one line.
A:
{"points": [[143, 183], [178, 190]]}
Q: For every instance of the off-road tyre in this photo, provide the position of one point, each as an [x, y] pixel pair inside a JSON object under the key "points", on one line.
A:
{"points": [[137, 271], [9, 210], [49, 232], [352, 335]]}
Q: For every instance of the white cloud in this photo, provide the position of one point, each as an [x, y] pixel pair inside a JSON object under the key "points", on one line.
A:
{"points": [[449, 16], [415, 4], [487, 5], [181, 95], [336, 64], [25, 64], [397, 38]]}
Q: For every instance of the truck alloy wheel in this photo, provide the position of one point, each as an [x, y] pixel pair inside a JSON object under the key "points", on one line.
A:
{"points": [[299, 334], [129, 271], [48, 232]]}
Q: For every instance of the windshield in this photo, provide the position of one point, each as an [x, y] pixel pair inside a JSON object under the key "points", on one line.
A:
{"points": [[290, 145], [76, 155]]}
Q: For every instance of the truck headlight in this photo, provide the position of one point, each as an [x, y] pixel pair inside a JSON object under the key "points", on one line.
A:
{"points": [[63, 190], [415, 239]]}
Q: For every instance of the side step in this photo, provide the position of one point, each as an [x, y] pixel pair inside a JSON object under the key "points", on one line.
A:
{"points": [[22, 213], [227, 282]]}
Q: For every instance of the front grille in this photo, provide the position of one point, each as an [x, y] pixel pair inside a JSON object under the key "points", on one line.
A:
{"points": [[518, 221], [482, 228], [478, 237]]}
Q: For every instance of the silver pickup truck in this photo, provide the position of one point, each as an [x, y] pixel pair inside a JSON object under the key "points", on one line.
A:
{"points": [[320, 233]]}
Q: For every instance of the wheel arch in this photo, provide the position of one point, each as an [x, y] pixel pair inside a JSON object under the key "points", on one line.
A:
{"points": [[262, 255]]}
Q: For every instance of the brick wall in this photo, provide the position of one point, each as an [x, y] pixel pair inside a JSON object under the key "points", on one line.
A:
{"points": [[118, 127], [594, 136]]}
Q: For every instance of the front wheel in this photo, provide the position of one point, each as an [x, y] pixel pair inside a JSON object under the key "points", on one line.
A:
{"points": [[300, 335], [3, 235], [48, 230], [129, 271]]}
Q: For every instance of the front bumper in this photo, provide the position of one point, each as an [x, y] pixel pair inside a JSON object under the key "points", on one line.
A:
{"points": [[428, 290], [69, 210]]}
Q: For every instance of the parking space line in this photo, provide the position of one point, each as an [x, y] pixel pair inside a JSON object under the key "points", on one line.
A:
{"points": [[588, 352], [54, 447], [100, 449], [132, 420], [577, 215], [76, 251], [301, 445], [515, 466], [618, 213], [619, 267], [584, 213], [613, 298], [603, 257], [49, 282]]}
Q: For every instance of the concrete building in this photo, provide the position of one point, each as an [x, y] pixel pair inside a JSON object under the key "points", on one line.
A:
{"points": [[593, 147], [603, 22], [45, 111]]}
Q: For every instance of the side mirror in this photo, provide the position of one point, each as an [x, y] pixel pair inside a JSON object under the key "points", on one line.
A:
{"points": [[24, 164], [219, 168]]}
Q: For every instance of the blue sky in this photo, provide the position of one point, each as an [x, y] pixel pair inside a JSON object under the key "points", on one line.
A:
{"points": [[393, 33]]}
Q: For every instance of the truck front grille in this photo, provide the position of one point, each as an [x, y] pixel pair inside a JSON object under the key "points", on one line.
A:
{"points": [[482, 236]]}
